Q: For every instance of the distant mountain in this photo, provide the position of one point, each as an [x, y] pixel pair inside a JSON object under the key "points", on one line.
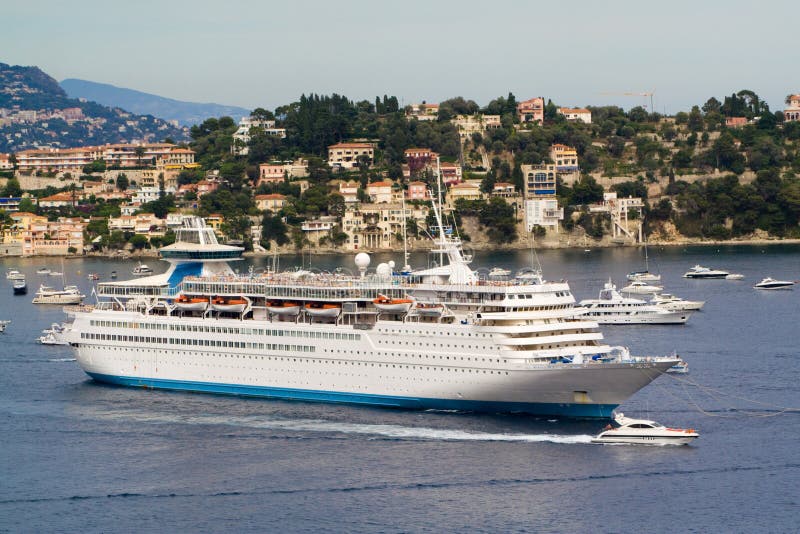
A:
{"points": [[36, 112], [186, 113]]}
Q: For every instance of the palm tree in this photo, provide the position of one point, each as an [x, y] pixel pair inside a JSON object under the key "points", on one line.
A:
{"points": [[139, 151]]}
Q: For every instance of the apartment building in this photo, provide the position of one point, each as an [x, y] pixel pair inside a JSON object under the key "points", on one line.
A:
{"points": [[541, 203], [565, 157], [531, 110], [346, 155]]}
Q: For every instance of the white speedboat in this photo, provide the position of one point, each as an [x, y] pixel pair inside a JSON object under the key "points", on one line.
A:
{"points": [[699, 272], [142, 270], [735, 276], [671, 302], [55, 273], [771, 283], [641, 288], [3, 325], [13, 274], [680, 368], [644, 432], [612, 308], [49, 295], [20, 286], [52, 338]]}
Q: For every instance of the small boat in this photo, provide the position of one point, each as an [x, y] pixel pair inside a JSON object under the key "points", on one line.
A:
{"points": [[93, 276], [141, 270], [498, 272], [114, 275], [771, 283], [316, 309], [641, 288], [673, 303], [13, 274], [643, 432], [49, 295], [529, 276], [386, 304], [20, 286], [735, 276], [43, 270], [52, 338], [3, 325], [55, 273], [430, 310], [643, 276], [681, 368], [229, 305], [191, 303], [702, 273], [284, 308]]}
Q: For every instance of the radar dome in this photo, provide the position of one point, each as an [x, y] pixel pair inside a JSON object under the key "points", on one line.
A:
{"points": [[391, 264], [383, 270], [362, 260]]}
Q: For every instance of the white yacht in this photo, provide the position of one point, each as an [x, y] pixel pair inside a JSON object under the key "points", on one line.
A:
{"points": [[640, 287], [700, 272], [464, 343], [674, 303], [627, 430], [771, 283], [49, 295], [643, 276], [13, 274], [142, 269], [499, 272], [3, 325], [612, 308]]}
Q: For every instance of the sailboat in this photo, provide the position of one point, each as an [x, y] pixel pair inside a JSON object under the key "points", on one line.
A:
{"points": [[646, 275]]}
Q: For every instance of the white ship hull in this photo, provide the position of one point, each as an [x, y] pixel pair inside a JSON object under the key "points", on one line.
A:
{"points": [[644, 318], [57, 299], [359, 371]]}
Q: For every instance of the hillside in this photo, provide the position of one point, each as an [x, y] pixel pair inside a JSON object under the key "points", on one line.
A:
{"points": [[186, 113], [35, 111]]}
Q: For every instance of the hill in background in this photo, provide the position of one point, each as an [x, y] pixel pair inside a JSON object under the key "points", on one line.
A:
{"points": [[36, 112], [186, 113]]}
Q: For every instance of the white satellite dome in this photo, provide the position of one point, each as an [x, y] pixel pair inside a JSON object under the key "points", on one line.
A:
{"points": [[391, 264], [362, 260], [383, 270]]}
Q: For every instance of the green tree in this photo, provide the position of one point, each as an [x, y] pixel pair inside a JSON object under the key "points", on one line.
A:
{"points": [[138, 241], [122, 182], [12, 188]]}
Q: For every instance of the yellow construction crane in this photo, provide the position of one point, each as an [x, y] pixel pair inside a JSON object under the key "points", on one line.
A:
{"points": [[642, 94]]}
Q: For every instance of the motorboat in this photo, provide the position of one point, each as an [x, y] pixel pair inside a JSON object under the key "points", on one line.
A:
{"points": [[55, 273], [498, 272], [13, 274], [114, 275], [671, 302], [93, 276], [643, 276], [641, 288], [141, 270], [771, 283], [316, 309], [735, 276], [681, 368], [43, 270], [49, 295], [20, 286], [612, 308], [52, 338], [284, 308], [390, 305], [3, 325], [186, 303], [643, 432], [229, 305], [699, 272]]}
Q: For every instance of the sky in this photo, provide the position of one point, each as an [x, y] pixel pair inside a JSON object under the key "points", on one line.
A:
{"points": [[267, 53]]}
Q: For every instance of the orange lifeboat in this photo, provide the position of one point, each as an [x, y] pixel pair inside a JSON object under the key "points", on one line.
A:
{"points": [[186, 303], [231, 305], [316, 309], [284, 308], [390, 305]]}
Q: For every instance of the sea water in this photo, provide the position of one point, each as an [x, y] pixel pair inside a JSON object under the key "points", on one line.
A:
{"points": [[76, 455]]}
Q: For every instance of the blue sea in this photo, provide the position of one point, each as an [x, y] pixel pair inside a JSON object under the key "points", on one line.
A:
{"points": [[79, 456]]}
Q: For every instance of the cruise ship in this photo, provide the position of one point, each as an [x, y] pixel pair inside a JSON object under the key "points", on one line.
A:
{"points": [[435, 338]]}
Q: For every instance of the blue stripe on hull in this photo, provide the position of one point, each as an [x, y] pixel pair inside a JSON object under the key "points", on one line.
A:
{"points": [[413, 403]]}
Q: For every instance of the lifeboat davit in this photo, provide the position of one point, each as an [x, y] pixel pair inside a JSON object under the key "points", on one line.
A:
{"points": [[191, 303], [386, 304], [230, 305], [316, 309], [430, 310], [284, 308]]}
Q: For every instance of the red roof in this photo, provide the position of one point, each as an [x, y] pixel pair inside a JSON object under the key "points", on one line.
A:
{"points": [[380, 184], [272, 196]]}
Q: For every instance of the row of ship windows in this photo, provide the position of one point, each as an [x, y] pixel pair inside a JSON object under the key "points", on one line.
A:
{"points": [[198, 342], [531, 295], [227, 330], [422, 332], [332, 362], [426, 356], [440, 345]]}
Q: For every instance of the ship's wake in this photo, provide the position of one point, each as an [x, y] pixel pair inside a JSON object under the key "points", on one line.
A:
{"points": [[373, 431]]}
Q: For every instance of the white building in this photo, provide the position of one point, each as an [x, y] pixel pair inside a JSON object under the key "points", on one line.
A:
{"points": [[576, 114], [242, 136], [543, 212], [622, 224]]}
